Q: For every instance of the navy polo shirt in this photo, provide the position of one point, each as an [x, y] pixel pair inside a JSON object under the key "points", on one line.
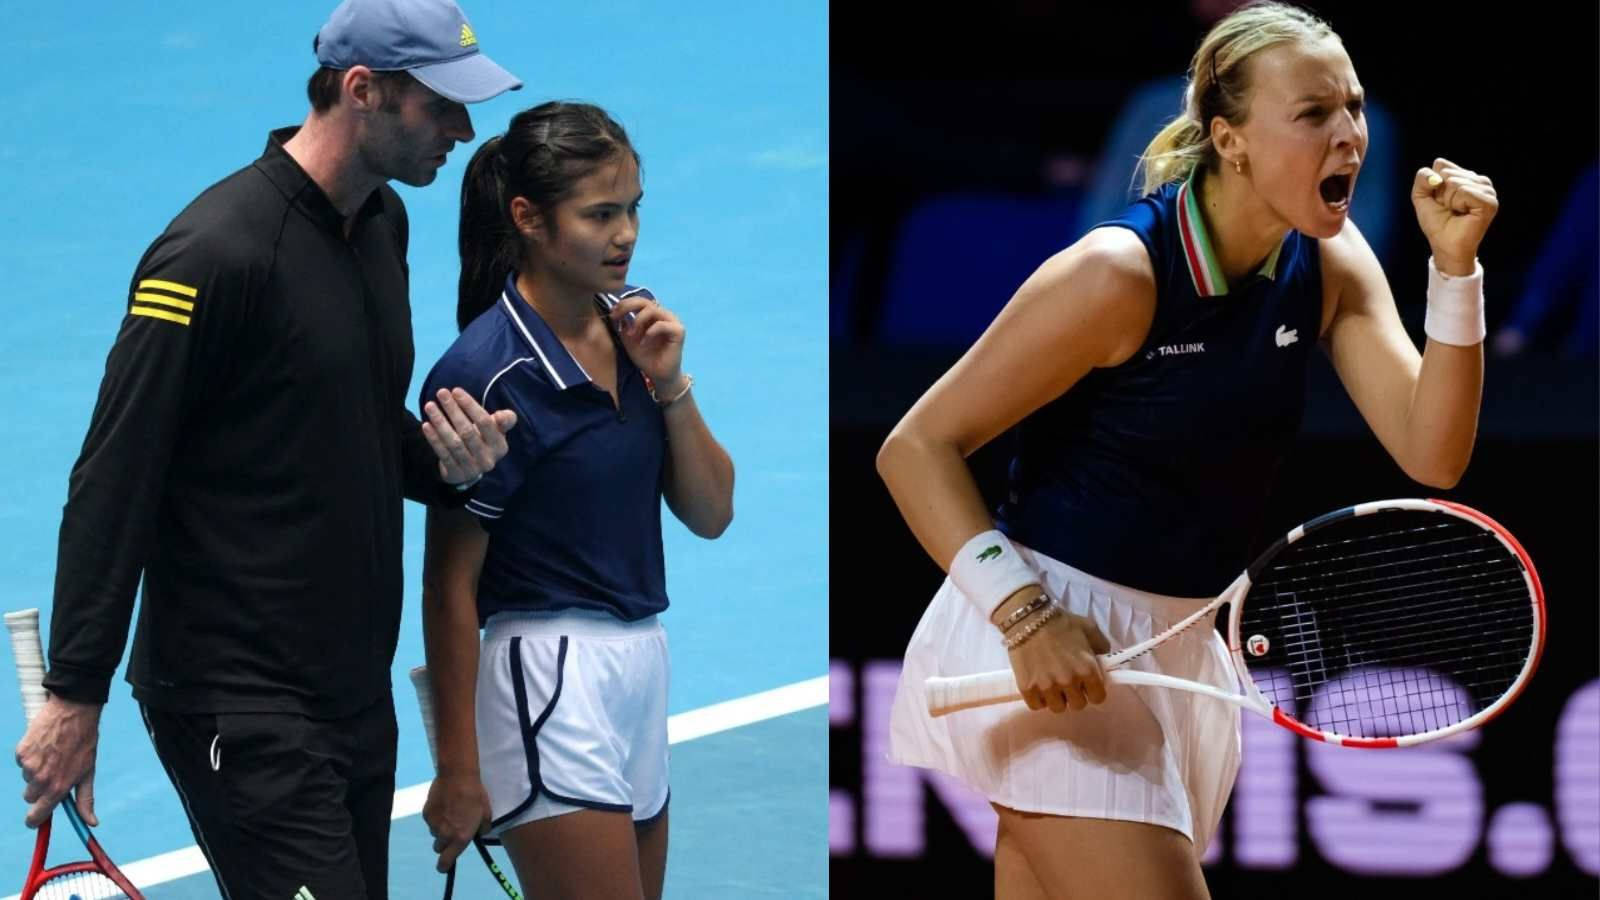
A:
{"points": [[573, 511], [1155, 474]]}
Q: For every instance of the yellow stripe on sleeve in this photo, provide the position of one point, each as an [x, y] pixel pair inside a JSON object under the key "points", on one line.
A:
{"points": [[172, 286], [159, 314], [184, 305]]}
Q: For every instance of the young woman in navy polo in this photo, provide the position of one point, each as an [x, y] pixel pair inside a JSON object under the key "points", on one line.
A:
{"points": [[553, 733]]}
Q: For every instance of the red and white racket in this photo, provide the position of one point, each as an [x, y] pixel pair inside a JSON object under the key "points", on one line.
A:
{"points": [[97, 878], [1385, 624]]}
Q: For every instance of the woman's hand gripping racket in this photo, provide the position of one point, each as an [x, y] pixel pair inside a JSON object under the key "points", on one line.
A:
{"points": [[1385, 624], [98, 878], [419, 681]]}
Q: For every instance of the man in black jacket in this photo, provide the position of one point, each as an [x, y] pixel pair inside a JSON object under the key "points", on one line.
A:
{"points": [[248, 456]]}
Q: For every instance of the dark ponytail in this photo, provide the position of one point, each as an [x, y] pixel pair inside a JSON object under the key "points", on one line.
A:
{"points": [[545, 151], [487, 242]]}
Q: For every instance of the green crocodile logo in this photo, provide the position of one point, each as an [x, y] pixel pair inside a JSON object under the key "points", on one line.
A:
{"points": [[991, 553]]}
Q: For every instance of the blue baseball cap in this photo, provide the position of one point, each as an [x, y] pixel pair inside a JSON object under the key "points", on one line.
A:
{"points": [[428, 38]]}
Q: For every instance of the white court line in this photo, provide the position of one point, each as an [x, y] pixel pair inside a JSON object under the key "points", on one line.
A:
{"points": [[685, 726]]}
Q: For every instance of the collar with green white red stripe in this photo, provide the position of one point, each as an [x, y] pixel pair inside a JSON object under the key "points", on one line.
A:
{"points": [[1204, 267]]}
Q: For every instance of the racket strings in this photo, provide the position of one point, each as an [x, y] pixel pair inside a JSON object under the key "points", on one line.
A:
{"points": [[82, 885], [1481, 613], [1421, 659], [1380, 704], [1485, 669], [1382, 591], [1358, 546], [1396, 623], [1459, 562]]}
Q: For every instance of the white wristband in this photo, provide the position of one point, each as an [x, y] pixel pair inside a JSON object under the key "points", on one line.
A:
{"points": [[987, 569], [1455, 307]]}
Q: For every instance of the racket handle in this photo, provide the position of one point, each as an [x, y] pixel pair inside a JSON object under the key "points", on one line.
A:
{"points": [[424, 688], [29, 656], [948, 695]]}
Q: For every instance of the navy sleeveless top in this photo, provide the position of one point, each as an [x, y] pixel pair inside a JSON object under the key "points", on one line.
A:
{"points": [[1154, 474]]}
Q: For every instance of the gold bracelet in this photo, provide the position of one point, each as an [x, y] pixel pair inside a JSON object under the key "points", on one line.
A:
{"points": [[688, 382], [1014, 641], [1024, 611]]}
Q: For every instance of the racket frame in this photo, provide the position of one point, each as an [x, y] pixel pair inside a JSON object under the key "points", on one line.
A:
{"points": [[950, 694], [1261, 704], [28, 654]]}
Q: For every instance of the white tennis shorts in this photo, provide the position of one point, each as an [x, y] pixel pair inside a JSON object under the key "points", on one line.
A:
{"points": [[1146, 754], [572, 714]]}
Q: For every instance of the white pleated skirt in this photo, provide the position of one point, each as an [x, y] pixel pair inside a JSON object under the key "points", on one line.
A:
{"points": [[1146, 754]]}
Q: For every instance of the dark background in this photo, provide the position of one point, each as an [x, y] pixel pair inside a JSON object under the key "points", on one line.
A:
{"points": [[974, 111]]}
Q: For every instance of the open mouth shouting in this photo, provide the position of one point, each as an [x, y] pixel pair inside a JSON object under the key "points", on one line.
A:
{"points": [[1337, 188]]}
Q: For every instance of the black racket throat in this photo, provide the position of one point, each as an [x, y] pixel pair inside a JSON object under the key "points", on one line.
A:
{"points": [[499, 876]]}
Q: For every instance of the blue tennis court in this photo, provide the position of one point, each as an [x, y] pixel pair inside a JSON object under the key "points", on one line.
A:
{"points": [[121, 117]]}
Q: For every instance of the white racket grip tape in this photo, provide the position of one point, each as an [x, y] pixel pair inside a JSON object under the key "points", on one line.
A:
{"points": [[25, 649], [424, 688], [948, 695], [1455, 313]]}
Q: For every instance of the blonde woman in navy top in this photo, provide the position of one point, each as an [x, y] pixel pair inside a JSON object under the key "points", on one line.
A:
{"points": [[1156, 369], [552, 735]]}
